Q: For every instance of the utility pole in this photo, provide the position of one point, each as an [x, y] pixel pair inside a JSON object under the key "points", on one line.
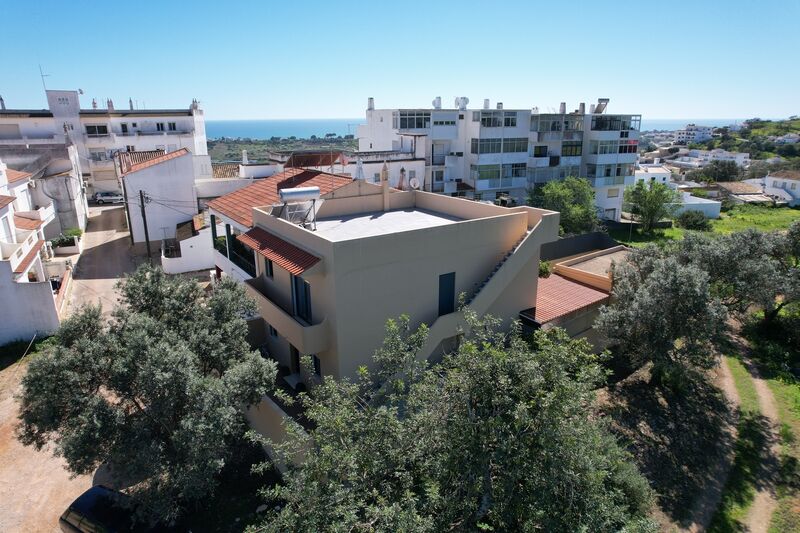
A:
{"points": [[142, 199]]}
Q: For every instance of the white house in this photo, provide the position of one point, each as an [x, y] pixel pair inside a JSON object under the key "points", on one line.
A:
{"points": [[655, 172], [784, 185], [165, 182], [693, 133], [31, 305], [700, 158], [99, 133], [486, 154]]}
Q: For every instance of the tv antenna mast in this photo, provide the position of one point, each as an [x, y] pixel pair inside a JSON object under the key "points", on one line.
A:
{"points": [[43, 76]]}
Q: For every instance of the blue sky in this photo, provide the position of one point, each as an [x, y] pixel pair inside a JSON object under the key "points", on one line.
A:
{"points": [[304, 59]]}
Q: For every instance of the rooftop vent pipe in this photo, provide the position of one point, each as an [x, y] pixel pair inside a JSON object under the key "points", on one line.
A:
{"points": [[486, 103], [562, 108], [370, 103]]}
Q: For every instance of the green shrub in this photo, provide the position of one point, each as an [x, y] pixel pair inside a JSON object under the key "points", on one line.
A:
{"points": [[73, 232], [545, 269], [693, 219], [62, 240]]}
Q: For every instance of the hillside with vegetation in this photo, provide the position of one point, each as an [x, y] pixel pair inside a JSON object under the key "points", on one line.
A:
{"points": [[755, 139], [228, 149]]}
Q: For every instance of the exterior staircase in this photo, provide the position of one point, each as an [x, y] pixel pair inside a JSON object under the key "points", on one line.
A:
{"points": [[479, 287]]}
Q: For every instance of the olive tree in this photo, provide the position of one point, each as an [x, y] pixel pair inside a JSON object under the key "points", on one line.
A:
{"points": [[649, 203], [663, 312], [498, 436], [155, 392]]}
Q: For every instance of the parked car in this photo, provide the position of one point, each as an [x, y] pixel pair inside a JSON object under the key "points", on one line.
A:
{"points": [[104, 510], [108, 198]]}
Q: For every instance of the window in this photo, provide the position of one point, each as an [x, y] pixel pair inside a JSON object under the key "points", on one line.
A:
{"points": [[486, 146], [540, 151], [491, 119], [774, 183], [628, 147], [130, 148], [98, 155], [172, 126], [159, 126], [613, 193], [134, 125], [447, 293], [571, 148], [515, 170], [510, 119], [376, 177], [301, 297], [794, 185], [517, 144], [97, 130], [124, 128], [412, 174], [268, 268], [444, 122], [438, 175], [272, 331], [415, 120], [7, 235], [485, 172]]}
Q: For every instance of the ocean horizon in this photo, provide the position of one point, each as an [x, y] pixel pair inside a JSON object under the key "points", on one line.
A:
{"points": [[305, 128]]}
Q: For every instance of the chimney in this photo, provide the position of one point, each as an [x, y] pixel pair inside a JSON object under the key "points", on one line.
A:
{"points": [[2, 104], [499, 105], [94, 103], [130, 103], [591, 109], [110, 104], [370, 103], [486, 103], [244, 157], [582, 108], [562, 108], [385, 185]]}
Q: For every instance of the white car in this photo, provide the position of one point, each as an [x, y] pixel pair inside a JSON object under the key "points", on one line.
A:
{"points": [[108, 198]]}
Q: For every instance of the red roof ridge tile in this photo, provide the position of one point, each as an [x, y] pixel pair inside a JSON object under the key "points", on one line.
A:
{"points": [[16, 175], [28, 259], [157, 160]]}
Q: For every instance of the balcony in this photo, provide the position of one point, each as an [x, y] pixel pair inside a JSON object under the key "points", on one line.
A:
{"points": [[501, 183], [45, 213], [308, 339], [539, 162], [99, 138], [611, 180], [37, 140]]}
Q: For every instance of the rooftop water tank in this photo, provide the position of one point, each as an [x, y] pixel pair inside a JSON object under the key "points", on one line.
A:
{"points": [[299, 194]]}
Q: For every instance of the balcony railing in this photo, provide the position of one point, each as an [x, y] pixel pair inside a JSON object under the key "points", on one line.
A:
{"points": [[308, 339]]}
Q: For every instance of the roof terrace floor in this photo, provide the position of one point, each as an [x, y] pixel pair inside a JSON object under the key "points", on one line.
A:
{"points": [[362, 225]]}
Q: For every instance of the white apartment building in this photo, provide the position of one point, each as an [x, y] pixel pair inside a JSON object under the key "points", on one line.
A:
{"points": [[99, 133], [693, 133], [486, 154], [31, 307], [784, 185]]}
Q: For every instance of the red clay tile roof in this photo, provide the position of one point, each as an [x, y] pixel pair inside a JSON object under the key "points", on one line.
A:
{"points": [[313, 159], [284, 254], [225, 170], [5, 200], [16, 175], [27, 223], [156, 160], [558, 296], [239, 205], [28, 259]]}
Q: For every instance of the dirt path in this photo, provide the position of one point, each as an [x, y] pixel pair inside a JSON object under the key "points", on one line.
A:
{"points": [[34, 486], [765, 502], [706, 504]]}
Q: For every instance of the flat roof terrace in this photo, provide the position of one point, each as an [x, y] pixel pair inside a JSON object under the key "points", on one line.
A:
{"points": [[357, 226]]}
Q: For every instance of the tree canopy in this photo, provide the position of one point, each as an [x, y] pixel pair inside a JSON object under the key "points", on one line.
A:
{"points": [[649, 203], [155, 392], [498, 436], [663, 311], [716, 171], [573, 198]]}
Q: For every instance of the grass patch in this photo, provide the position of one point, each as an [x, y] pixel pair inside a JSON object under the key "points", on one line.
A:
{"points": [[739, 218], [12, 352], [740, 489]]}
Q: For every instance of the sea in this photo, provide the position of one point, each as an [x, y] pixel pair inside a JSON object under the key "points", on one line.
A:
{"points": [[305, 128]]}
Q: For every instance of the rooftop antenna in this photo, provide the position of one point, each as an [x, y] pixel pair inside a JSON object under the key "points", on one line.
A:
{"points": [[43, 76]]}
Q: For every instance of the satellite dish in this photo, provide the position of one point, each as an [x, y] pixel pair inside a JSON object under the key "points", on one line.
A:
{"points": [[414, 182]]}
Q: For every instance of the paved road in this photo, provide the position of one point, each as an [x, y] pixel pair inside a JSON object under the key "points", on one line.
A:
{"points": [[106, 258]]}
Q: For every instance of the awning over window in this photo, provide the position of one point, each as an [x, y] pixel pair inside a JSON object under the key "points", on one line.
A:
{"points": [[282, 253]]}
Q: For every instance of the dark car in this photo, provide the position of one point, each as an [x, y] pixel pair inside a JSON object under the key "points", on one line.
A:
{"points": [[104, 510]]}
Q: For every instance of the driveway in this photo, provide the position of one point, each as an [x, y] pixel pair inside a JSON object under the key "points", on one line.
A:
{"points": [[34, 486], [105, 259]]}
